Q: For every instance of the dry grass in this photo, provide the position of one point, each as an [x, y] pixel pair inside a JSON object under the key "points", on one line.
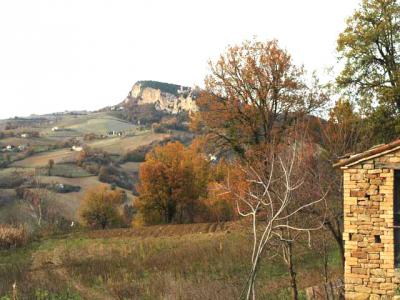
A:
{"points": [[12, 237], [121, 145], [196, 261]]}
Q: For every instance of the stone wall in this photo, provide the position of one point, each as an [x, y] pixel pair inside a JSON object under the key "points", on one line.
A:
{"points": [[368, 229]]}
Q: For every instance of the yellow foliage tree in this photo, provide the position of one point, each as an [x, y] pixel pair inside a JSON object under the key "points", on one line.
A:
{"points": [[99, 207]]}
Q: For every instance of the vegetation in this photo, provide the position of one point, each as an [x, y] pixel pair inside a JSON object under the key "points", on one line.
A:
{"points": [[11, 236], [370, 47], [187, 262], [172, 180], [162, 86], [99, 208], [253, 95], [113, 175], [258, 166]]}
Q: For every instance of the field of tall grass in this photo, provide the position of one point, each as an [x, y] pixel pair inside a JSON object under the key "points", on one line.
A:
{"points": [[177, 264], [12, 237]]}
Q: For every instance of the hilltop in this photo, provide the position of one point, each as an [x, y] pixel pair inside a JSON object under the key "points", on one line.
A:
{"points": [[165, 97]]}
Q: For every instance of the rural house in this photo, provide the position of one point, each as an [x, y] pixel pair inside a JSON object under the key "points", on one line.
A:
{"points": [[372, 222]]}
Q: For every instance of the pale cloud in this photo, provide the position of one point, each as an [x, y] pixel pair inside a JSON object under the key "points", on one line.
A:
{"points": [[85, 54]]}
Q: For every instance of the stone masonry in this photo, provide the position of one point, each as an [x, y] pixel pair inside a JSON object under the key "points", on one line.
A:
{"points": [[368, 227]]}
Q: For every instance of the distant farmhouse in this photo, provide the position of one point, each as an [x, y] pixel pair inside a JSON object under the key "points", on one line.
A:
{"points": [[116, 133], [77, 148]]}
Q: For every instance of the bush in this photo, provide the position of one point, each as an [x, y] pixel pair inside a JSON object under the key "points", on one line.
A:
{"points": [[11, 237], [92, 160], [99, 208], [113, 175], [90, 137], [137, 155]]}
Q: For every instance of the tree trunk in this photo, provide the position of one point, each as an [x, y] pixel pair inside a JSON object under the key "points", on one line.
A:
{"points": [[292, 272], [338, 236]]}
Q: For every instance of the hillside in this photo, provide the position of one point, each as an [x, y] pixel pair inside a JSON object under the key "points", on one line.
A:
{"points": [[36, 140]]}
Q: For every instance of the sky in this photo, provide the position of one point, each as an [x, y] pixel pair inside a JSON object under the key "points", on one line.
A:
{"points": [[58, 55]]}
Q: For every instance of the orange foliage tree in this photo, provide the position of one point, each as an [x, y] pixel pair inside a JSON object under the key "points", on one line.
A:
{"points": [[172, 180], [253, 94]]}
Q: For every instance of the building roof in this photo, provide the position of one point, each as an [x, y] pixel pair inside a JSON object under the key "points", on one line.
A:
{"points": [[375, 151]]}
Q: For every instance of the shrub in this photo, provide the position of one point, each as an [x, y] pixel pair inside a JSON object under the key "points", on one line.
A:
{"points": [[92, 159], [113, 175], [90, 136], [99, 208], [137, 155], [11, 236]]}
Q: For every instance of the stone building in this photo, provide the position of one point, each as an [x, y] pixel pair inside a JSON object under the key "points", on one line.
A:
{"points": [[372, 222]]}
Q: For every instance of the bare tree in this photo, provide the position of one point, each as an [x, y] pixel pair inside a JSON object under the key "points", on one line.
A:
{"points": [[37, 198], [269, 196]]}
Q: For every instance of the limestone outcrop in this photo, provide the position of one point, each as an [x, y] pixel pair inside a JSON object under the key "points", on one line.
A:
{"points": [[169, 98]]}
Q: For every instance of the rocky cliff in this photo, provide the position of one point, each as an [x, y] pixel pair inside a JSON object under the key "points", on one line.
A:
{"points": [[166, 97]]}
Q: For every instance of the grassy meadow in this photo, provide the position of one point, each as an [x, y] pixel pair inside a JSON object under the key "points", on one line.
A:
{"points": [[199, 261]]}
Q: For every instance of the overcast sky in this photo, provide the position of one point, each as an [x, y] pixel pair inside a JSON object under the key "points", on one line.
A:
{"points": [[86, 54]]}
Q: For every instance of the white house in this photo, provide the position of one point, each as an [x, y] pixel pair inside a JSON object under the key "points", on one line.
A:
{"points": [[77, 148], [55, 129], [25, 135]]}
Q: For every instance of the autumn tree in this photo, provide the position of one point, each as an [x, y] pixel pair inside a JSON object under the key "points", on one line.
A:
{"points": [[344, 132], [38, 199], [253, 94], [172, 180], [370, 48], [100, 207]]}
